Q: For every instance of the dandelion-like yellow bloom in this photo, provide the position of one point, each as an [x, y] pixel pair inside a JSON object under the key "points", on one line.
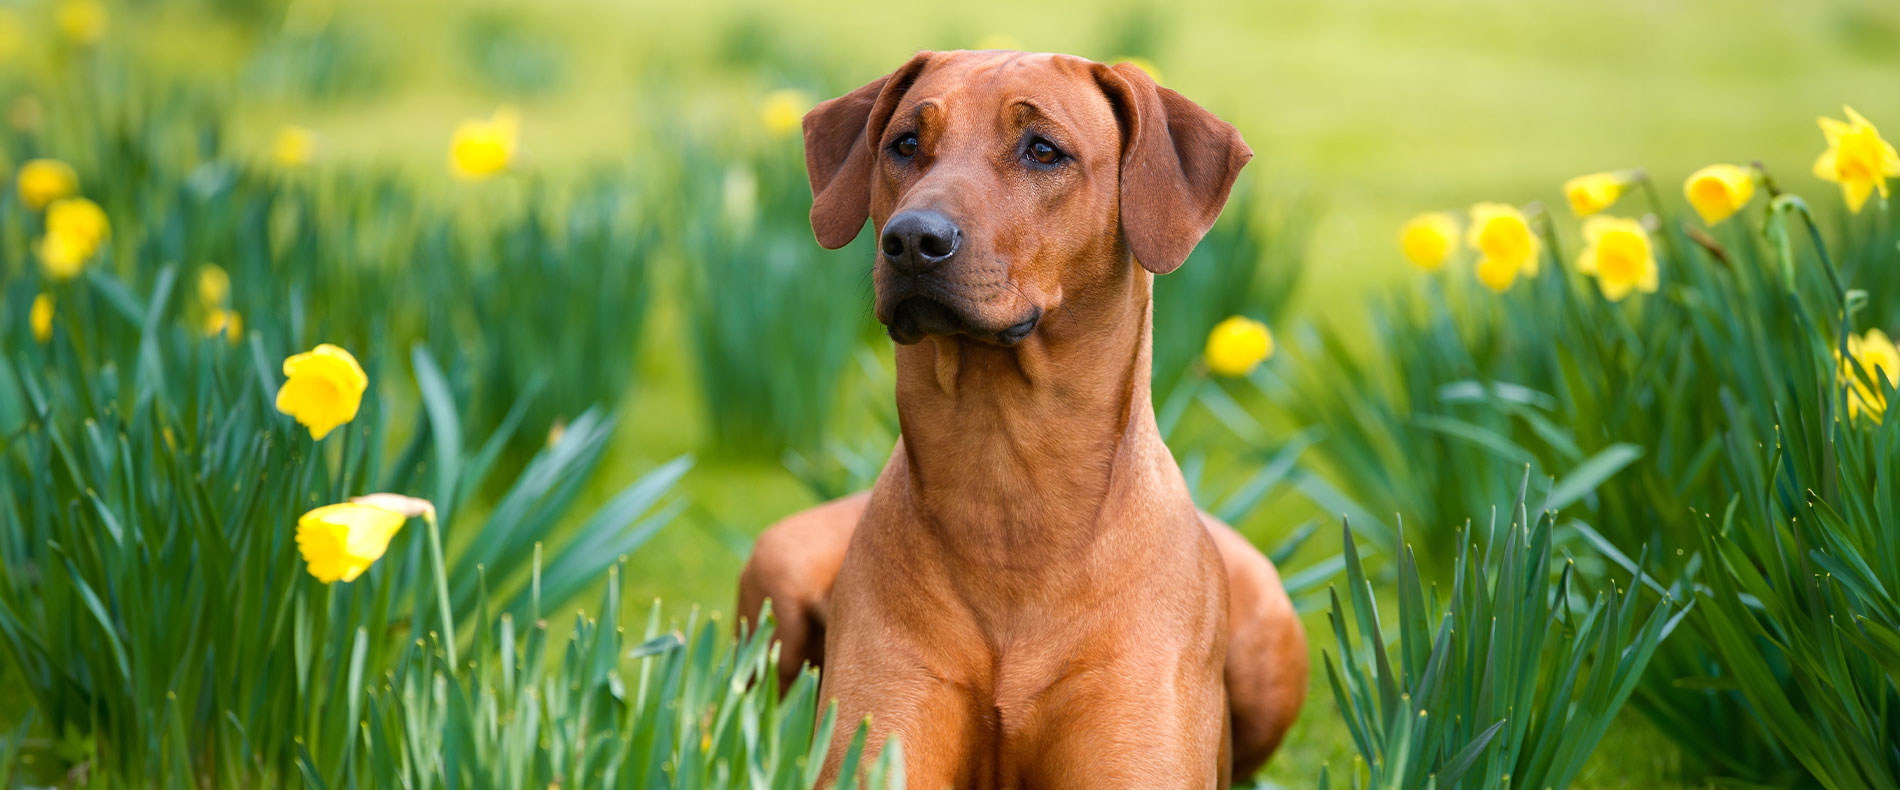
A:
{"points": [[1880, 359], [1856, 158], [213, 285], [43, 181], [294, 147], [81, 219], [1595, 192], [1618, 254], [340, 541], [82, 21], [1718, 191], [783, 112], [63, 256], [1506, 246], [224, 321], [40, 317], [323, 388], [1429, 239], [1237, 346], [481, 148]]}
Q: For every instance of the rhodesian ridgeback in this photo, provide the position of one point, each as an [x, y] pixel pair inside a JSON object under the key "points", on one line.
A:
{"points": [[1027, 596]]}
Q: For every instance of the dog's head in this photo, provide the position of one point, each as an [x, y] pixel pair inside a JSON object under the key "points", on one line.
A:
{"points": [[999, 181]]}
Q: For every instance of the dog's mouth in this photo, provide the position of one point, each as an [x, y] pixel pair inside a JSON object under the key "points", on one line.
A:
{"points": [[919, 316]]}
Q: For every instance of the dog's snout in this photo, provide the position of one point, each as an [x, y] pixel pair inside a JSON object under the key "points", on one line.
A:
{"points": [[917, 241]]}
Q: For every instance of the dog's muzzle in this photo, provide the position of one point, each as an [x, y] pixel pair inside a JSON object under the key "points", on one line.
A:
{"points": [[925, 310]]}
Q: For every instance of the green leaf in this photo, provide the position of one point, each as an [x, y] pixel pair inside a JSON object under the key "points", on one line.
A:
{"points": [[445, 426], [1590, 474]]}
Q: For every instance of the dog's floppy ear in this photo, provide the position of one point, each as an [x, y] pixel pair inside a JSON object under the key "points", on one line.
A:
{"points": [[841, 139], [1178, 164]]}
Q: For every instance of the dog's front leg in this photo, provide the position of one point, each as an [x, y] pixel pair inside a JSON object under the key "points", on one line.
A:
{"points": [[945, 738], [900, 655]]}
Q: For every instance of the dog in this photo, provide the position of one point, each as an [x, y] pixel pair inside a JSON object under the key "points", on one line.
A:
{"points": [[1027, 596]]}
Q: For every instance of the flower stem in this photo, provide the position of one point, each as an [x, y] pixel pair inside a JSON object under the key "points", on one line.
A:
{"points": [[1662, 215], [441, 586], [1793, 204]]}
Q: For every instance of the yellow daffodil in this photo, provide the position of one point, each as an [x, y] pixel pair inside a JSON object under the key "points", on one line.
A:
{"points": [[323, 388], [1618, 254], [481, 148], [43, 181], [407, 506], [294, 147], [1595, 192], [340, 541], [1505, 244], [80, 219], [1718, 191], [1429, 239], [998, 41], [1856, 158], [226, 322], [75, 227], [82, 21], [63, 256], [1237, 346], [1880, 360], [41, 317], [784, 111], [213, 285]]}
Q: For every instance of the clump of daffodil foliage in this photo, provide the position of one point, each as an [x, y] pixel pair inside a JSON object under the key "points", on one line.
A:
{"points": [[1707, 396]]}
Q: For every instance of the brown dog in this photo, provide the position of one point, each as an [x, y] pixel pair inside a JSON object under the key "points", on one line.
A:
{"points": [[1028, 596]]}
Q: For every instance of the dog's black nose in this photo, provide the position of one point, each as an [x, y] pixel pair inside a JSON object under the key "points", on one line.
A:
{"points": [[917, 241]]}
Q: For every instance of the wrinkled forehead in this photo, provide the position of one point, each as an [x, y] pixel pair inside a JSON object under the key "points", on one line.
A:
{"points": [[993, 89]]}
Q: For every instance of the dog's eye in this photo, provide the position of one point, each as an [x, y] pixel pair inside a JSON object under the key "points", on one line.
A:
{"points": [[905, 146], [1043, 152]]}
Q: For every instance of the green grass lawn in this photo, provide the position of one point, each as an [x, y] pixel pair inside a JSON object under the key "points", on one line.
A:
{"points": [[1376, 109]]}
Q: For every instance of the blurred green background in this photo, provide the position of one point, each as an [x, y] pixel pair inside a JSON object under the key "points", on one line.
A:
{"points": [[1378, 108], [1362, 113], [1371, 110]]}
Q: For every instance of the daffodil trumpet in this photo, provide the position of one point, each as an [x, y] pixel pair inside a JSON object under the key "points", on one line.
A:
{"points": [[340, 542], [1506, 246], [1591, 194]]}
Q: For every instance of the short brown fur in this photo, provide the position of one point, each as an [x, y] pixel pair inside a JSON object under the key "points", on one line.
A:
{"points": [[1028, 596]]}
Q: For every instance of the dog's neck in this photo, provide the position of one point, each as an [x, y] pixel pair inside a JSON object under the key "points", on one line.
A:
{"points": [[1012, 451]]}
